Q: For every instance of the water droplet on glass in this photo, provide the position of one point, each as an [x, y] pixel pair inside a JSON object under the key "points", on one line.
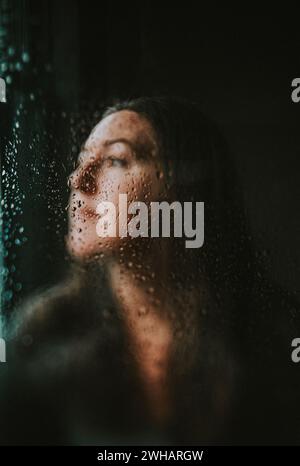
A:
{"points": [[11, 51], [25, 57], [142, 311]]}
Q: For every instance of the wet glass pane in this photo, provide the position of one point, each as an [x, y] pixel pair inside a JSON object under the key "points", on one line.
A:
{"points": [[149, 289]]}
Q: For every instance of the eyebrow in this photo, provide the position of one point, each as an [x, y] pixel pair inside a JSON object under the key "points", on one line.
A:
{"points": [[137, 148], [109, 142]]}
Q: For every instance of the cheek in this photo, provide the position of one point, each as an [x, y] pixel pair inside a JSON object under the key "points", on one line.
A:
{"points": [[143, 184], [139, 183], [108, 185]]}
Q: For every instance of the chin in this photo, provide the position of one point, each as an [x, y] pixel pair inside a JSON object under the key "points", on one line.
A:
{"points": [[87, 251]]}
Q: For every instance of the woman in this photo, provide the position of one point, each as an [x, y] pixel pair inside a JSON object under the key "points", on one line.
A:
{"points": [[147, 341]]}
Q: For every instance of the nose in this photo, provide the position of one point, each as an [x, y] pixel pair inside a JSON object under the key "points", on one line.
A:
{"points": [[84, 179]]}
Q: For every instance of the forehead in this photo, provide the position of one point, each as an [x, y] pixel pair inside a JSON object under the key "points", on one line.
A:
{"points": [[124, 124]]}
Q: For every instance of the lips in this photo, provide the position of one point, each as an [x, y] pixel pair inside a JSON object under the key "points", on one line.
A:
{"points": [[79, 208], [89, 213]]}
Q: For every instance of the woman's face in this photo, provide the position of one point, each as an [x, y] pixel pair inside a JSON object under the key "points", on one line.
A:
{"points": [[119, 157]]}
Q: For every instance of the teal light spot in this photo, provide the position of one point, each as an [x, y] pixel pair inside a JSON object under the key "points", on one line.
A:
{"points": [[11, 51], [7, 295], [18, 286], [25, 57], [3, 67]]}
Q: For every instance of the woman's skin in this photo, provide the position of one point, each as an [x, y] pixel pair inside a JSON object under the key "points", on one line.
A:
{"points": [[121, 155]]}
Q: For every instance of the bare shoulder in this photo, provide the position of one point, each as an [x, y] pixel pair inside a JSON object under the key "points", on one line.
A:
{"points": [[35, 311]]}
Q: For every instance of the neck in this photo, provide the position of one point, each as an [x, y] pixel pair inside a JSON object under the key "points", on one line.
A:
{"points": [[139, 284]]}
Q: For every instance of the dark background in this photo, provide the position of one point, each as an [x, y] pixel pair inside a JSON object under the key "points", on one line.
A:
{"points": [[238, 63]]}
